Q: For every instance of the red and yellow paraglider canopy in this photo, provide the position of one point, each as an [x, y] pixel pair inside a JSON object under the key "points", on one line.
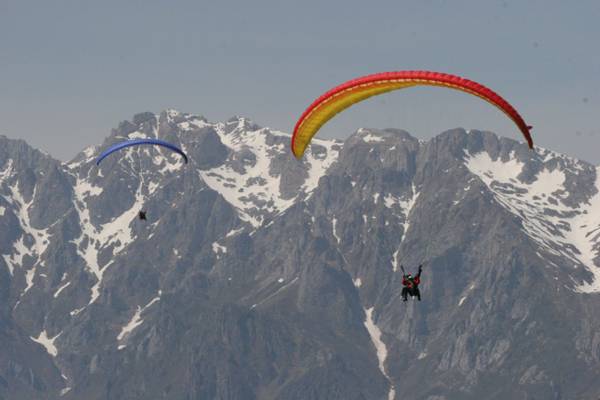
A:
{"points": [[343, 96]]}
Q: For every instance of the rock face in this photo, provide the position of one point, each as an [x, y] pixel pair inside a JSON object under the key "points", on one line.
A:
{"points": [[258, 276]]}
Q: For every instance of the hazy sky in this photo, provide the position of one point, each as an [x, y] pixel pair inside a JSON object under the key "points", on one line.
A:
{"points": [[71, 70]]}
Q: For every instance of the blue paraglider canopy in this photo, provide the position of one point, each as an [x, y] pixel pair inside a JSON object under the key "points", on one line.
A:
{"points": [[136, 142]]}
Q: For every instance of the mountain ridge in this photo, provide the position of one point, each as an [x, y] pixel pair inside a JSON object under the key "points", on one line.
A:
{"points": [[259, 276]]}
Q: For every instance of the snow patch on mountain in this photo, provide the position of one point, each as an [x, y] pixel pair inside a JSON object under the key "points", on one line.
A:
{"points": [[254, 189], [192, 123], [407, 205], [7, 172], [60, 289], [281, 289], [319, 163], [135, 321], [137, 135], [47, 342], [368, 137], [233, 232], [334, 230], [218, 249], [116, 233], [29, 275], [168, 166], [89, 253], [573, 232], [76, 311], [404, 205], [380, 347], [152, 186], [462, 299], [88, 156], [395, 261], [39, 237]]}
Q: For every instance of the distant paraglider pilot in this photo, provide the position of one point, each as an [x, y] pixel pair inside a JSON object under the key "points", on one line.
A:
{"points": [[142, 215], [411, 284]]}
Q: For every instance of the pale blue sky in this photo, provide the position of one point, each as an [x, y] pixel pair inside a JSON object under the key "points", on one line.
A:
{"points": [[71, 70]]}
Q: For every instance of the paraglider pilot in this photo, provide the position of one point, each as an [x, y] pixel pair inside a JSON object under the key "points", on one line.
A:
{"points": [[411, 284], [142, 215]]}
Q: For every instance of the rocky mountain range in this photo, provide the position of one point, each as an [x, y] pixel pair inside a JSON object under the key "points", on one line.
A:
{"points": [[259, 276]]}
